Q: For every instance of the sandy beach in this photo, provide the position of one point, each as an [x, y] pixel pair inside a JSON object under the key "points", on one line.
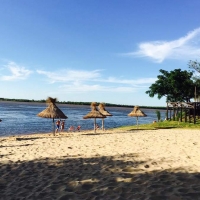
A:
{"points": [[141, 164]]}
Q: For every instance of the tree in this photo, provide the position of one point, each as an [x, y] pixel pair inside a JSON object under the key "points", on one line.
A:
{"points": [[175, 85], [194, 65]]}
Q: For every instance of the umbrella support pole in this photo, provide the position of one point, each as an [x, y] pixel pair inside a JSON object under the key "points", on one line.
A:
{"points": [[94, 125], [102, 124], [53, 127]]}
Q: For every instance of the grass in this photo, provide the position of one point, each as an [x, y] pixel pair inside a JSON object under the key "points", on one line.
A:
{"points": [[162, 125]]}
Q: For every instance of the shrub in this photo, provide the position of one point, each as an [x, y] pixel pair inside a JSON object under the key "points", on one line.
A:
{"points": [[158, 115]]}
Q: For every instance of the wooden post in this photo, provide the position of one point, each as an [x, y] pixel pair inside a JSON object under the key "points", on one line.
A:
{"points": [[189, 116], [185, 115], [173, 113], [181, 112], [177, 111], [167, 111], [194, 112]]}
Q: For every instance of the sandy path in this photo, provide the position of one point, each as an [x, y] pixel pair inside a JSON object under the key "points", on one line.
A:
{"points": [[157, 164]]}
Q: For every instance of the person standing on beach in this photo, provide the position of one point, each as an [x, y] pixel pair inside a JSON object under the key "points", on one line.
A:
{"points": [[97, 127], [78, 128], [62, 126], [57, 125]]}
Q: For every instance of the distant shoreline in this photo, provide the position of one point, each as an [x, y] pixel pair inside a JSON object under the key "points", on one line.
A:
{"points": [[79, 105], [41, 102]]}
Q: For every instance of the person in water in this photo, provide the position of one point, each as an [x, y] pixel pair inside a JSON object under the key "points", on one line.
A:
{"points": [[78, 128], [62, 126], [57, 125], [71, 128]]}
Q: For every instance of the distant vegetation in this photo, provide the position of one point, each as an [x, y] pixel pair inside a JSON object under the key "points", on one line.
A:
{"points": [[81, 103], [22, 100]]}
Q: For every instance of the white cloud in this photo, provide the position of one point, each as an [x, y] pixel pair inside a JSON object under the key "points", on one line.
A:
{"points": [[130, 82], [92, 76], [81, 88], [17, 72], [70, 75], [187, 47], [88, 81]]}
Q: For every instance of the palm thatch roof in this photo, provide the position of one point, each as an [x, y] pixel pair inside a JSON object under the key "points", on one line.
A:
{"points": [[137, 112], [94, 113], [102, 110], [52, 111]]}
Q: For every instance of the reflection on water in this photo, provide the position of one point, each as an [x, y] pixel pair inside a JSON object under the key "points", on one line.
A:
{"points": [[21, 118]]}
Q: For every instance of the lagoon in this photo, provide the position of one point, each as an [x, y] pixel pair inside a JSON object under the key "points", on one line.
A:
{"points": [[19, 118]]}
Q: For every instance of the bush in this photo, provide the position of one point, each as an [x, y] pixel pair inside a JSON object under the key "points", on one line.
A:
{"points": [[158, 115]]}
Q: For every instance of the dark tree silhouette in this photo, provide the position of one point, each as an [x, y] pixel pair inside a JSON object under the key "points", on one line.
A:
{"points": [[175, 85]]}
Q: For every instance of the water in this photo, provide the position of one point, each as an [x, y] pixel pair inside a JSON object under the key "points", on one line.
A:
{"points": [[21, 118]]}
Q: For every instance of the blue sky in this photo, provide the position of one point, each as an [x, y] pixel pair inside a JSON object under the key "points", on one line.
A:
{"points": [[94, 50]]}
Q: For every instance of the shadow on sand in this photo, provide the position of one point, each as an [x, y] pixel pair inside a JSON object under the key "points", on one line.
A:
{"points": [[104, 177], [23, 145], [28, 138], [105, 133]]}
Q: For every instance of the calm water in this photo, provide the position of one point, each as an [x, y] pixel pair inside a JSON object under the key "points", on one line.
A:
{"points": [[21, 118]]}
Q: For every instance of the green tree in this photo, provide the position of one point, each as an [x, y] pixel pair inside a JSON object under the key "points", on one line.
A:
{"points": [[175, 85], [194, 65]]}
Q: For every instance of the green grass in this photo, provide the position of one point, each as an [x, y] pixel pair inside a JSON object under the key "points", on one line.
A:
{"points": [[162, 125]]}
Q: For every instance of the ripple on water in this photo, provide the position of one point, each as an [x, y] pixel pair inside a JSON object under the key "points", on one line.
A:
{"points": [[22, 118]]}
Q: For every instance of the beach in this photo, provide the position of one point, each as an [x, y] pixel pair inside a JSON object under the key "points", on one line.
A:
{"points": [[113, 164]]}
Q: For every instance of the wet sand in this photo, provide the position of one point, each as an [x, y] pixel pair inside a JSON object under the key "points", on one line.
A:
{"points": [[152, 164]]}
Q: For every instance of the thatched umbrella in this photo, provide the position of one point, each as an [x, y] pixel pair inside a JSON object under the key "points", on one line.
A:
{"points": [[104, 112], [52, 111], [137, 113], [94, 113]]}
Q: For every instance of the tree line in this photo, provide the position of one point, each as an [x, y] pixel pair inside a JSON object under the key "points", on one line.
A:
{"points": [[81, 103]]}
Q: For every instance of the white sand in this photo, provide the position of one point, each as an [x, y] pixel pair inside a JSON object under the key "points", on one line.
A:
{"points": [[158, 164]]}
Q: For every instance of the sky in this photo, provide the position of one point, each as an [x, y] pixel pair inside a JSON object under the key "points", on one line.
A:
{"points": [[94, 50]]}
